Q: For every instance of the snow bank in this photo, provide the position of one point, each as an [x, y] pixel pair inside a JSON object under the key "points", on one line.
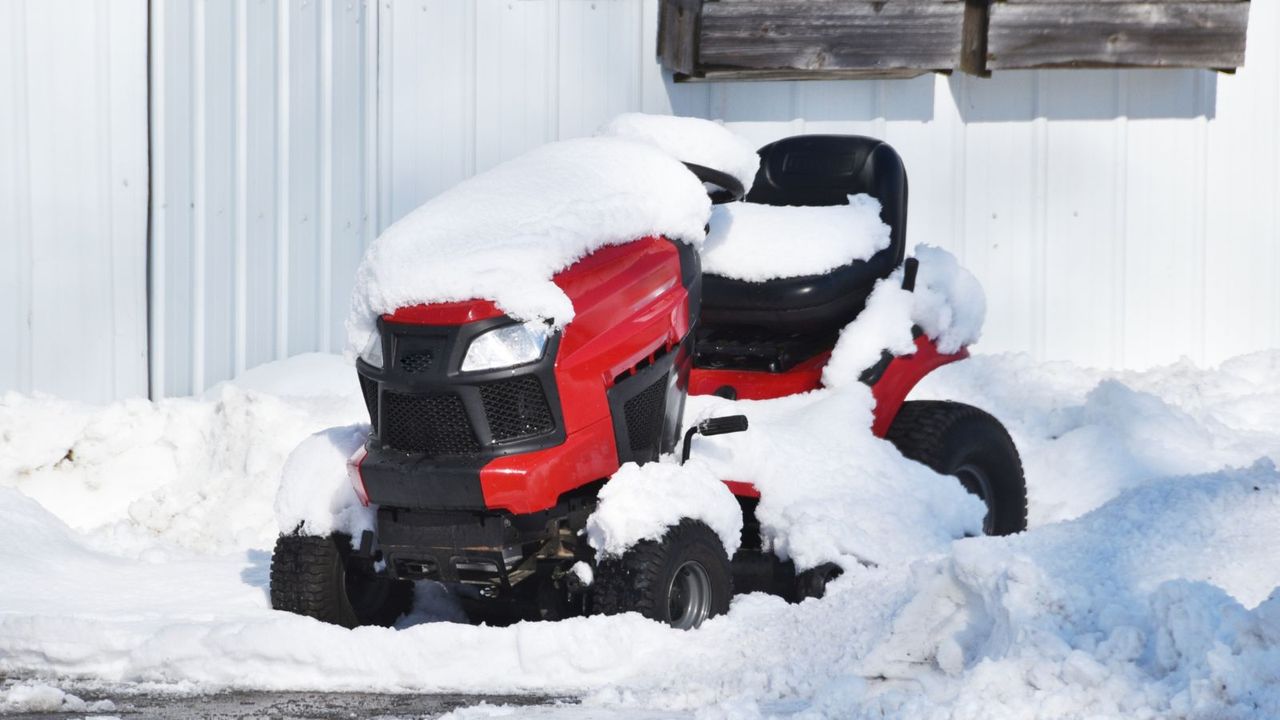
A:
{"points": [[1138, 609], [694, 140], [640, 503], [763, 242], [503, 234], [198, 473], [1157, 600]]}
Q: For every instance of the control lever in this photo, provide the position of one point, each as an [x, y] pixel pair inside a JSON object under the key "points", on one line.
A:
{"points": [[712, 426]]}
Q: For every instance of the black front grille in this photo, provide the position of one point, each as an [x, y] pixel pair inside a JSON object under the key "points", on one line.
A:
{"points": [[369, 389], [645, 413], [417, 362], [516, 408], [433, 424]]}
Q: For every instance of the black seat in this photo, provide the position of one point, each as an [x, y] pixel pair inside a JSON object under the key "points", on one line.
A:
{"points": [[815, 170]]}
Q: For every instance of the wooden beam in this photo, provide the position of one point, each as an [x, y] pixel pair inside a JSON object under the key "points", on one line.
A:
{"points": [[679, 28], [1165, 33], [812, 36]]}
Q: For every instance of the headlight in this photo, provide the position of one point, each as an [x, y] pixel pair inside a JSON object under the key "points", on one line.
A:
{"points": [[507, 346], [372, 352]]}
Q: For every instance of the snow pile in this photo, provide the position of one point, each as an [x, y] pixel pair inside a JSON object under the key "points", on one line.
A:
{"points": [[830, 490], [503, 234], [1086, 437], [764, 242], [1140, 605], [693, 140], [641, 502], [316, 496], [199, 473]]}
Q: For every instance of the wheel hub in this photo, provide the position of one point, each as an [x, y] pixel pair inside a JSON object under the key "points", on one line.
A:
{"points": [[689, 596]]}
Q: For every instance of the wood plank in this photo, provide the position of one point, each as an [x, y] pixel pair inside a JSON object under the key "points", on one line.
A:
{"points": [[679, 24], [1135, 34], [822, 36]]}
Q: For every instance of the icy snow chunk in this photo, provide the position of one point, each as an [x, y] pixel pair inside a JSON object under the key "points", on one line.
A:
{"points": [[316, 496], [641, 501], [35, 697], [503, 234], [765, 242], [693, 140]]}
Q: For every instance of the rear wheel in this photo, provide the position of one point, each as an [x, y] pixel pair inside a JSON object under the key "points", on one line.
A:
{"points": [[972, 446], [317, 577], [682, 579]]}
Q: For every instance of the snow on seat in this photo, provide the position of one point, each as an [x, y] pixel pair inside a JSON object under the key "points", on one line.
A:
{"points": [[795, 268], [756, 242]]}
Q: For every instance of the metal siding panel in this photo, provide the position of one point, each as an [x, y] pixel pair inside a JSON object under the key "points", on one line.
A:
{"points": [[214, 346], [432, 53], [1242, 259], [74, 307], [348, 167], [260, 180], [1162, 259], [1080, 196], [302, 219], [514, 66], [173, 217], [599, 63], [15, 202]]}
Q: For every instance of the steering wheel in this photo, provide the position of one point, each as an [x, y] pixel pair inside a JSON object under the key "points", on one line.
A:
{"points": [[728, 189]]}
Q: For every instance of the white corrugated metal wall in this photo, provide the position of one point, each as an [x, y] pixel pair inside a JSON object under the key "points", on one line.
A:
{"points": [[262, 123], [1116, 218], [73, 197]]}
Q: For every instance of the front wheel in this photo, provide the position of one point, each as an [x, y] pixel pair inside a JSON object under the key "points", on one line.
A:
{"points": [[317, 577], [972, 446], [681, 580]]}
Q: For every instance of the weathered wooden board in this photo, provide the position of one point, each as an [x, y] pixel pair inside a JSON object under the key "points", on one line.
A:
{"points": [[1093, 33], [678, 29], [802, 39]]}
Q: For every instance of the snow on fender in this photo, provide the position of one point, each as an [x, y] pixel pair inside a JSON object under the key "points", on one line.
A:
{"points": [[315, 496], [641, 501]]}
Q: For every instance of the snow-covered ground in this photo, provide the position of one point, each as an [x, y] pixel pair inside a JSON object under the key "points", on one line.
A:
{"points": [[134, 544]]}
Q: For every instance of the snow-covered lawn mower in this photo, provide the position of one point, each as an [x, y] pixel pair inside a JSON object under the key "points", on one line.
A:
{"points": [[491, 437]]}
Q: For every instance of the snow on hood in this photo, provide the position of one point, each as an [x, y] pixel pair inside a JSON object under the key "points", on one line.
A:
{"points": [[504, 233], [693, 140], [764, 242]]}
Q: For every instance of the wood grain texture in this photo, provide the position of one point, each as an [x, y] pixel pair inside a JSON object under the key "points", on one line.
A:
{"points": [[816, 36], [1113, 34], [679, 24]]}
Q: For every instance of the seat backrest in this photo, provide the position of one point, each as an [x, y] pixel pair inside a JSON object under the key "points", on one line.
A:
{"points": [[825, 169]]}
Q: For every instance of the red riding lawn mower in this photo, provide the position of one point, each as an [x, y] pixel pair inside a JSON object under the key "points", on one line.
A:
{"points": [[484, 477]]}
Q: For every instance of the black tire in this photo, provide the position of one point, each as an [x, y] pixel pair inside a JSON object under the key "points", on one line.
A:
{"points": [[654, 578], [315, 576], [971, 445]]}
